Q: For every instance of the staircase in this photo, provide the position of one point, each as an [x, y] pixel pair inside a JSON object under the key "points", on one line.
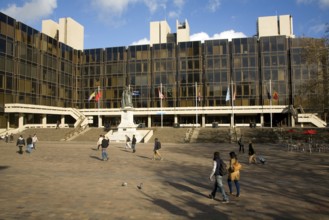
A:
{"points": [[303, 117]]}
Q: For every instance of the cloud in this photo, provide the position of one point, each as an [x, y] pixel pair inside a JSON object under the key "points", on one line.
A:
{"points": [[319, 28], [173, 14], [229, 34], [321, 3], [213, 5], [31, 11], [143, 41]]}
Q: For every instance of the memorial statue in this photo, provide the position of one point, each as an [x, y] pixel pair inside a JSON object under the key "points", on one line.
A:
{"points": [[126, 98]]}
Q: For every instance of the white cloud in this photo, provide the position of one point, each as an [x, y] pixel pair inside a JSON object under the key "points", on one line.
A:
{"points": [[321, 3], [213, 5], [31, 10], [319, 28], [143, 41], [229, 34], [324, 3], [173, 14], [179, 3]]}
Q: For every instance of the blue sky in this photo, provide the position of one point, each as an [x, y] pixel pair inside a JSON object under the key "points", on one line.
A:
{"points": [[111, 23]]}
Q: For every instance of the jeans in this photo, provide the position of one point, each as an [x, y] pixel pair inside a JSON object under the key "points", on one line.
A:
{"points": [[104, 154], [29, 148], [218, 186], [237, 186]]}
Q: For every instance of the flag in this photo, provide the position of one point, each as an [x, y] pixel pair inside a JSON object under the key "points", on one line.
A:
{"points": [[199, 96], [275, 96], [98, 96], [268, 94], [161, 96], [228, 97], [92, 96]]}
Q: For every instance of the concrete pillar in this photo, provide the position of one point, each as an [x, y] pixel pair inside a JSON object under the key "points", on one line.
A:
{"points": [[100, 121], [203, 119], [62, 120], [44, 121], [292, 121], [262, 120], [232, 120], [175, 119], [149, 121], [20, 120]]}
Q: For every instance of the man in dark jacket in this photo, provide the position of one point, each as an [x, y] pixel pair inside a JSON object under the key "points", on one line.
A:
{"points": [[105, 144]]}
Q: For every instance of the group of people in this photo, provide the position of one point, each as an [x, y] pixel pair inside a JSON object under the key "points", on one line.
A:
{"points": [[103, 142], [251, 151], [220, 169], [30, 143]]}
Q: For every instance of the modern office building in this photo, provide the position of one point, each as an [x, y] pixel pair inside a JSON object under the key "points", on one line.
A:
{"points": [[231, 83], [67, 31]]}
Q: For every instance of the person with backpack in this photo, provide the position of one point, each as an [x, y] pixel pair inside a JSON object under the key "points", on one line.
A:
{"points": [[157, 147], [234, 173], [105, 144], [219, 170], [251, 153]]}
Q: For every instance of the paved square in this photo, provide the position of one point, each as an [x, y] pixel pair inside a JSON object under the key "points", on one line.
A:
{"points": [[67, 180]]}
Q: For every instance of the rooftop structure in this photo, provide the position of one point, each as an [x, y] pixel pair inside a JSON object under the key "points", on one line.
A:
{"points": [[275, 26]]}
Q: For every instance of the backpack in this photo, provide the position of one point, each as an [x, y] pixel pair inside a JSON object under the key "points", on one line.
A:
{"points": [[222, 168], [128, 139], [159, 145]]}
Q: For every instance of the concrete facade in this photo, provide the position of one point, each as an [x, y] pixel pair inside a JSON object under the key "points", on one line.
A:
{"points": [[275, 26]]}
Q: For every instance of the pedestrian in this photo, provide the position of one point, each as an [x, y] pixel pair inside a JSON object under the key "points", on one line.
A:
{"points": [[99, 142], [234, 174], [11, 138], [20, 144], [29, 144], [6, 138], [57, 124], [127, 146], [218, 171], [34, 141], [251, 153], [133, 143], [157, 147], [105, 144], [241, 145]]}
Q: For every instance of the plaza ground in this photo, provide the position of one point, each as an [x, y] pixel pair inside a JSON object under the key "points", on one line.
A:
{"points": [[68, 180]]}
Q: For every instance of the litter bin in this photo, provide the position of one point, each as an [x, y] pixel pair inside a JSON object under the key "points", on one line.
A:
{"points": [[252, 125], [176, 125], [215, 125]]}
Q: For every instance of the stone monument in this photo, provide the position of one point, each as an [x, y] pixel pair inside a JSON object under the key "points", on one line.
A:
{"points": [[127, 114]]}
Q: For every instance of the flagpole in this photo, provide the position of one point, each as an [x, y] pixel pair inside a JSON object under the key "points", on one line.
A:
{"points": [[232, 102], [98, 88], [161, 106], [196, 104], [271, 102]]}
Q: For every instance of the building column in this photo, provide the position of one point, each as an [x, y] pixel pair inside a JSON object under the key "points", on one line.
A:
{"points": [[100, 121], [292, 119], [203, 121], [262, 120], [62, 120], [232, 120], [44, 121], [20, 120], [175, 119], [149, 121]]}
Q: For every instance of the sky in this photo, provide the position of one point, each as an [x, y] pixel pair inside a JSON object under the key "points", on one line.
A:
{"points": [[113, 23]]}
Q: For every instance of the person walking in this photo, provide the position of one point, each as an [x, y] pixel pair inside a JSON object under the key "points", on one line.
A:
{"points": [[241, 145], [20, 144], [234, 174], [251, 153], [105, 144], [133, 143], [34, 141], [29, 144], [218, 171], [7, 138], [127, 146], [157, 147], [99, 142]]}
